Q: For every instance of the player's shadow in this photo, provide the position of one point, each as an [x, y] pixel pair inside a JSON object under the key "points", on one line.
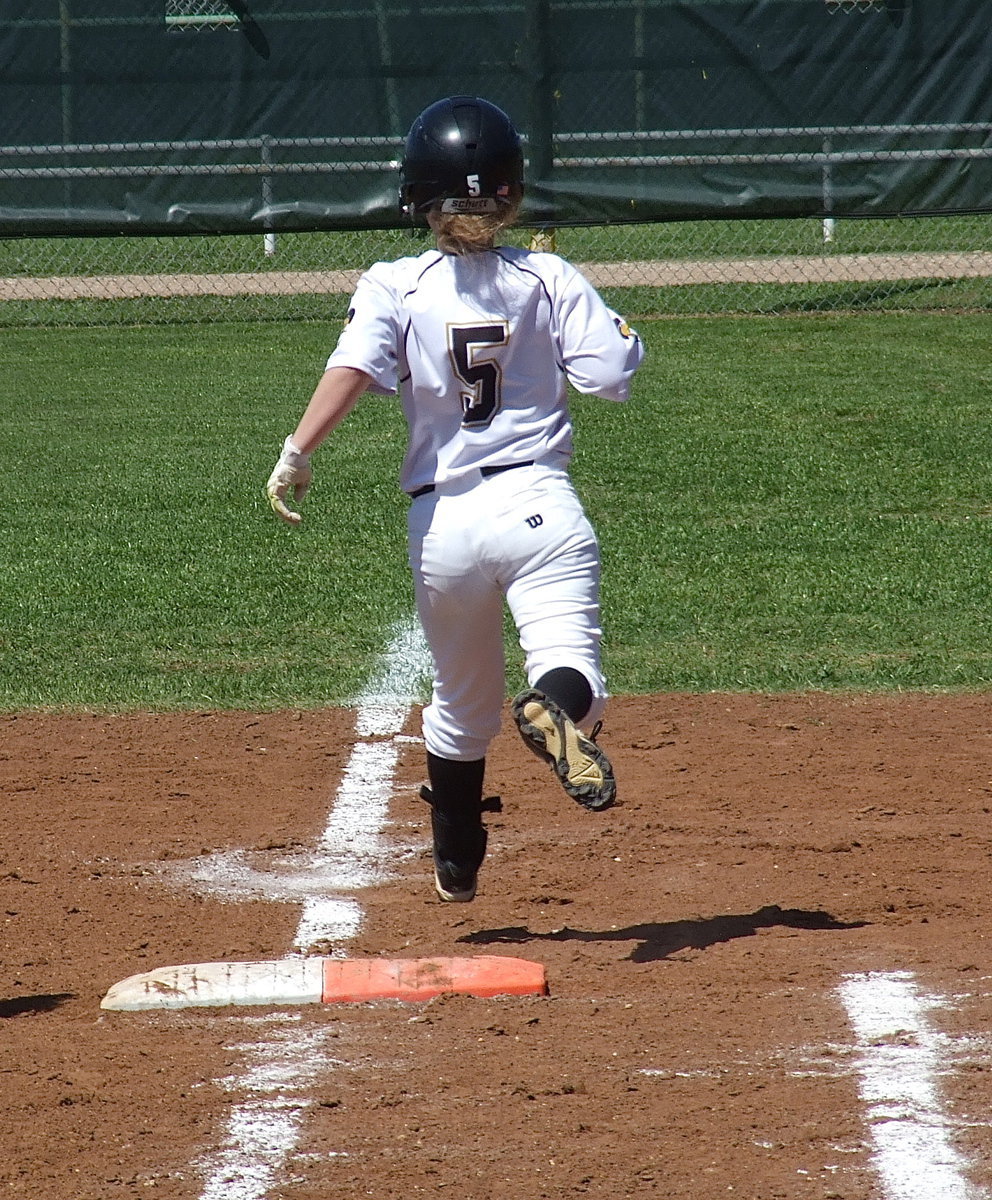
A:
{"points": [[658, 940], [21, 1005]]}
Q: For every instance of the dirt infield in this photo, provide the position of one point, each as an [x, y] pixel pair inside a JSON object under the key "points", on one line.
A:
{"points": [[694, 1044]]}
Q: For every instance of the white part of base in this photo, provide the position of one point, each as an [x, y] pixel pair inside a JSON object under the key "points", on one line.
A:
{"points": [[899, 1065], [204, 985]]}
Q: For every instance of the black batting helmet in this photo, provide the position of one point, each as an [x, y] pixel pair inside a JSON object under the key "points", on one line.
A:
{"points": [[464, 154]]}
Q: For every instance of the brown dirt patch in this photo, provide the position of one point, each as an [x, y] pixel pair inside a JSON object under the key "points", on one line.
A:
{"points": [[693, 1044]]}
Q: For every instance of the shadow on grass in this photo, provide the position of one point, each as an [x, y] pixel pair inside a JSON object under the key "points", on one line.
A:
{"points": [[658, 940], [726, 298], [34, 1004], [870, 296]]}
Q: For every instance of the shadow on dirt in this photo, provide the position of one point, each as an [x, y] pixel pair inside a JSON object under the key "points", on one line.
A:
{"points": [[22, 1005], [661, 939]]}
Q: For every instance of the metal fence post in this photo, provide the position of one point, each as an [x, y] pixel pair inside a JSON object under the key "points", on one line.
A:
{"points": [[828, 192], [65, 91], [266, 157], [540, 94]]}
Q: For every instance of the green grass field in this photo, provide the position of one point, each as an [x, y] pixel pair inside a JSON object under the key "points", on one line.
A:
{"points": [[785, 503]]}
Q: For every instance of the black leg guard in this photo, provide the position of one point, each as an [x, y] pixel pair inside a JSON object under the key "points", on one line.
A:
{"points": [[569, 689], [459, 837], [455, 784]]}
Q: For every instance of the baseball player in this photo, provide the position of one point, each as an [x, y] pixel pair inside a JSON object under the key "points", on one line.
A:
{"points": [[479, 340]]}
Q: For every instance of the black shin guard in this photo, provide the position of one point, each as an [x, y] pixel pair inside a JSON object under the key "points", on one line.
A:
{"points": [[569, 689], [455, 797], [455, 784]]}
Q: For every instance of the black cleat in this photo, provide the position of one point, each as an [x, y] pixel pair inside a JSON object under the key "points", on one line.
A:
{"points": [[459, 848], [452, 885]]}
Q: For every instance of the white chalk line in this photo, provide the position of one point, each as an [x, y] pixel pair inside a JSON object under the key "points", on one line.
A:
{"points": [[263, 1129], [900, 1058]]}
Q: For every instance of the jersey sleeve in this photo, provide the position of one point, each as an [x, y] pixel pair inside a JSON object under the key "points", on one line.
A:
{"points": [[600, 352], [370, 339]]}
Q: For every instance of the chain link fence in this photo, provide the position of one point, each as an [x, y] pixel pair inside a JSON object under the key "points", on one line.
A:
{"points": [[199, 160], [199, 14], [674, 268]]}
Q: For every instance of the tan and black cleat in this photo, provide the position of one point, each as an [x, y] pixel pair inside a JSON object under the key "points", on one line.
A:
{"points": [[581, 766]]}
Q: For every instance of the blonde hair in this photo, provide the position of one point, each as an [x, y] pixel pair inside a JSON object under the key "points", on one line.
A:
{"points": [[471, 233]]}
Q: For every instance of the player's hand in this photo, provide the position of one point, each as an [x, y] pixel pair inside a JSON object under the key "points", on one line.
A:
{"points": [[289, 481]]}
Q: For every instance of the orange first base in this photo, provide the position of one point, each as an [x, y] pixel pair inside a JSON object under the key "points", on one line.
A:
{"points": [[421, 978]]}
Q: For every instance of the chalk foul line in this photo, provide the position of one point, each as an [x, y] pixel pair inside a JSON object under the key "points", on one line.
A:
{"points": [[899, 1062], [263, 1129]]}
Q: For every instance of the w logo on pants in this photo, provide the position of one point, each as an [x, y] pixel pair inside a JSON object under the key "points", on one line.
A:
{"points": [[535, 520]]}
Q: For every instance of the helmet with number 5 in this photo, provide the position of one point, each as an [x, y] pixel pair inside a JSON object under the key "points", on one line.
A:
{"points": [[463, 154]]}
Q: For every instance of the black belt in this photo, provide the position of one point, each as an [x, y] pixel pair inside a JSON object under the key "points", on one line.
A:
{"points": [[485, 472]]}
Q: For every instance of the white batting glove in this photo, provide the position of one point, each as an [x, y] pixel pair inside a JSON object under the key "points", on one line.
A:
{"points": [[289, 480]]}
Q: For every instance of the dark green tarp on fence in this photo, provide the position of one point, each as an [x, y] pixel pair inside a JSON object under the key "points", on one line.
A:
{"points": [[203, 116]]}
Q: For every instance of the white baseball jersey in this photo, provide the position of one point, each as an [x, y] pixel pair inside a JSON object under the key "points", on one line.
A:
{"points": [[479, 348]]}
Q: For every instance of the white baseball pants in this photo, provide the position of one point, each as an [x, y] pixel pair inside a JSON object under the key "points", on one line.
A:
{"points": [[522, 535]]}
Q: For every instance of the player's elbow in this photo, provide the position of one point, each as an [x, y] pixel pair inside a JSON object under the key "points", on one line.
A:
{"points": [[608, 384], [607, 374]]}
